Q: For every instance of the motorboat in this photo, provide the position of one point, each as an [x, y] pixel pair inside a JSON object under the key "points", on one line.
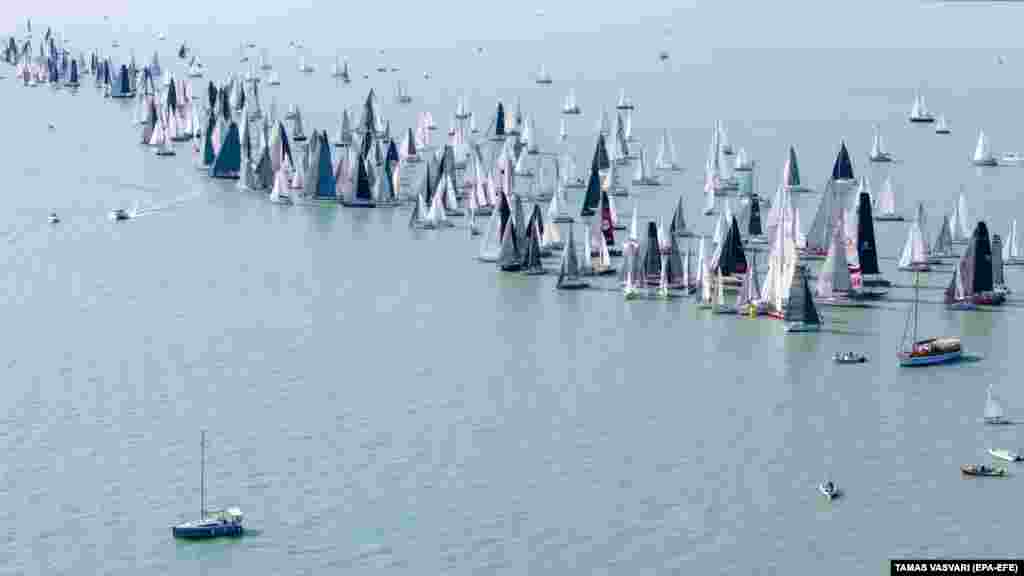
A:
{"points": [[982, 470], [1004, 454], [829, 490], [849, 358], [53, 218], [120, 214]]}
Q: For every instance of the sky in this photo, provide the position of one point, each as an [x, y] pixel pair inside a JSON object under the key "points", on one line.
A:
{"points": [[695, 25]]}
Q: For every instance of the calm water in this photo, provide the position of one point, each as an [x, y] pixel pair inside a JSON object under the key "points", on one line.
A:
{"points": [[375, 400]]}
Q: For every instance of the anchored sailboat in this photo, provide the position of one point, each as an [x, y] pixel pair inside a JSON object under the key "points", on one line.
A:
{"points": [[914, 352], [211, 523]]}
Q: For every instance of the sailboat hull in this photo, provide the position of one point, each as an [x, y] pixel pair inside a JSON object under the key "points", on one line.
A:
{"points": [[888, 218], [929, 359], [206, 532], [922, 119], [987, 162]]}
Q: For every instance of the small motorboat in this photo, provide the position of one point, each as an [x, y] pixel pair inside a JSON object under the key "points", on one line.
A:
{"points": [[829, 489], [1003, 454], [849, 358], [982, 470], [120, 214], [53, 219]]}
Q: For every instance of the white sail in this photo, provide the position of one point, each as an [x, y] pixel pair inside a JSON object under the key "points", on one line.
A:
{"points": [[941, 126], [914, 251], [834, 278], [887, 199], [993, 407], [490, 244], [1011, 250], [782, 259], [563, 130], [960, 230], [279, 193], [981, 149]]}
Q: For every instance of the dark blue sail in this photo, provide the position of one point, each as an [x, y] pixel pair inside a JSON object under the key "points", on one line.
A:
{"points": [[499, 120], [867, 252], [172, 97], [325, 186], [228, 162], [843, 167], [593, 196], [73, 75], [211, 95], [363, 195], [601, 159], [208, 157], [392, 155]]}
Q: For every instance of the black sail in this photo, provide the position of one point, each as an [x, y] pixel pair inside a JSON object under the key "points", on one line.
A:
{"points": [[867, 252]]}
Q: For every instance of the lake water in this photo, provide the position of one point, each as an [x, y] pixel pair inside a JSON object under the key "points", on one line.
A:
{"points": [[377, 401]]}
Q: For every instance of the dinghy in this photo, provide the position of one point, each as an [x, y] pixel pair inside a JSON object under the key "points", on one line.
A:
{"points": [[878, 153], [887, 203], [982, 154]]}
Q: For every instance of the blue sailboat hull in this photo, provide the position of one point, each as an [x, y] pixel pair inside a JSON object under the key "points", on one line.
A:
{"points": [[206, 532]]}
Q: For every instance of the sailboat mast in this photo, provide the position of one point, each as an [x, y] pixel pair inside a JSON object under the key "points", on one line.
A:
{"points": [[916, 289], [202, 475]]}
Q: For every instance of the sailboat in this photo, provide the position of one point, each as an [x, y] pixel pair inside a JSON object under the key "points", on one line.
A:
{"points": [[748, 300], [677, 227], [1011, 250], [666, 158], [800, 314], [704, 283], [994, 413], [643, 175], [723, 139], [402, 93], [569, 276], [570, 107], [633, 268], [866, 270], [915, 255], [304, 66], [960, 232], [878, 153], [279, 193], [211, 523], [791, 175], [941, 127], [982, 154], [919, 112], [273, 79], [543, 76], [340, 70], [914, 352], [887, 203], [835, 284], [625, 102], [976, 283]]}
